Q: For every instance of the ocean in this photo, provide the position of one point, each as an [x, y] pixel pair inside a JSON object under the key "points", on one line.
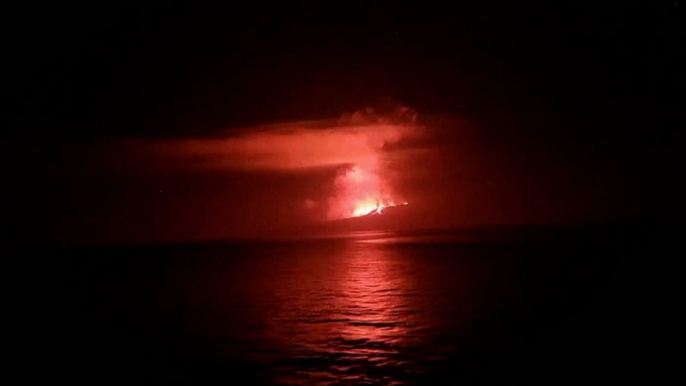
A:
{"points": [[373, 308]]}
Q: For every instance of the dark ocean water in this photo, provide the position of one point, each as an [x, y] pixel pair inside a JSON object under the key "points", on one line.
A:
{"points": [[377, 309]]}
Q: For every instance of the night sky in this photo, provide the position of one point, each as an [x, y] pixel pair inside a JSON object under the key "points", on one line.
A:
{"points": [[530, 114]]}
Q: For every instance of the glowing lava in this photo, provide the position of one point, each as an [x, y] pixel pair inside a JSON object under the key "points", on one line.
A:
{"points": [[366, 208]]}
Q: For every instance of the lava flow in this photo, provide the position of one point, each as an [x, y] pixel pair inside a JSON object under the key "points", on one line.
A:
{"points": [[371, 208]]}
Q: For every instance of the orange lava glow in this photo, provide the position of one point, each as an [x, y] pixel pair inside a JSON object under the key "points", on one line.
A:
{"points": [[372, 207]]}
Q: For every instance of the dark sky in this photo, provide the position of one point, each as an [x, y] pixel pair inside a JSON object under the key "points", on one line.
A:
{"points": [[558, 112]]}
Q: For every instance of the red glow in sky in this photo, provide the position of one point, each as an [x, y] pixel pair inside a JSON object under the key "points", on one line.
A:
{"points": [[355, 148]]}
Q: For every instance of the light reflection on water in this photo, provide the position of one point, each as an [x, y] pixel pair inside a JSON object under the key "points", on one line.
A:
{"points": [[343, 311], [352, 311], [334, 312]]}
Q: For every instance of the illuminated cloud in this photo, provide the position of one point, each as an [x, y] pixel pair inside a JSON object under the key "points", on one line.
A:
{"points": [[360, 148]]}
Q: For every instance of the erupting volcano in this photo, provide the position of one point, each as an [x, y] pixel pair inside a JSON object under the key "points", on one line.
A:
{"points": [[361, 191], [363, 187], [354, 159]]}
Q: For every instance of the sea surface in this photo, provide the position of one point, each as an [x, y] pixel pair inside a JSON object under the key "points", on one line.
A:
{"points": [[366, 309]]}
